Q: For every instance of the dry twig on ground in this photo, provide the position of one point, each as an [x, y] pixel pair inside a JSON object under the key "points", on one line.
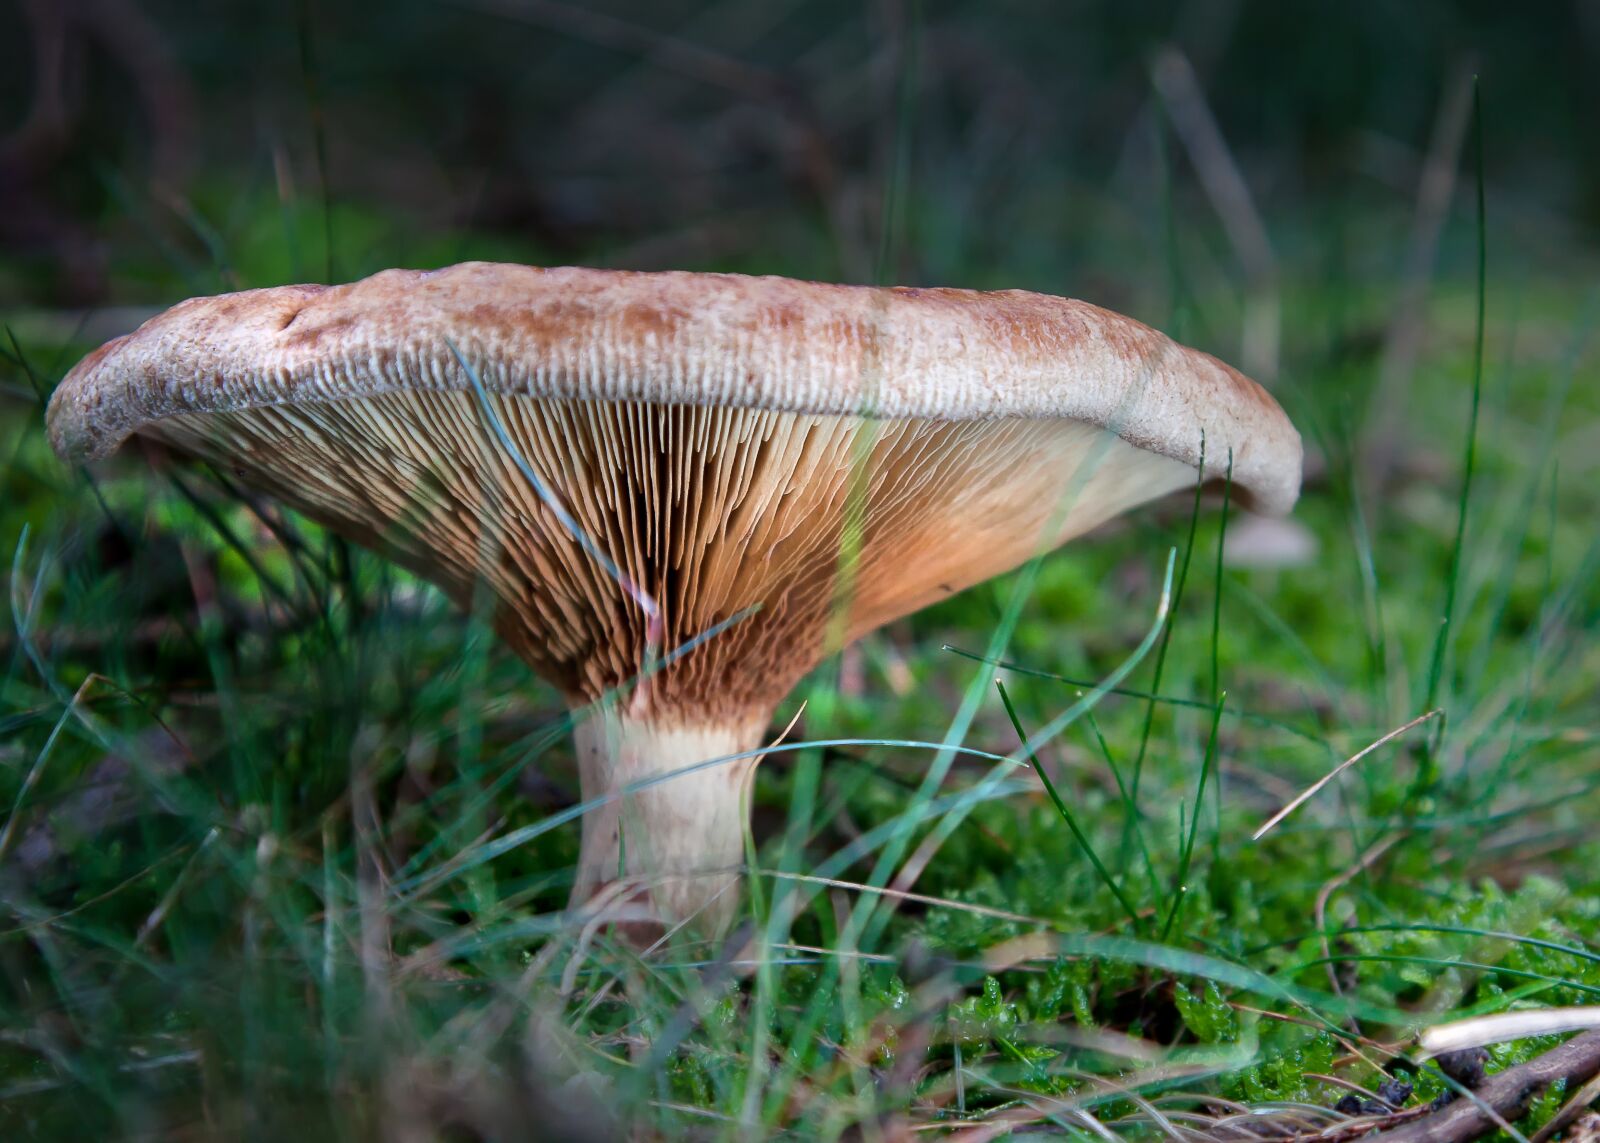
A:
{"points": [[1504, 1097]]}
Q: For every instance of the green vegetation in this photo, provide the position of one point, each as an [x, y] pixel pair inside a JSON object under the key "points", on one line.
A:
{"points": [[285, 838]]}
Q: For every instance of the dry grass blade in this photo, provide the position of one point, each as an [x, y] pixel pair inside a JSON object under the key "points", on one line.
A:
{"points": [[1311, 790], [903, 895], [1497, 1029]]}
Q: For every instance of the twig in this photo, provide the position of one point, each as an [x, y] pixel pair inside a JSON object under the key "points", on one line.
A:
{"points": [[1505, 1096]]}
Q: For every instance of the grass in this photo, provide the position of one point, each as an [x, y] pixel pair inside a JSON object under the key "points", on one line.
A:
{"points": [[285, 839]]}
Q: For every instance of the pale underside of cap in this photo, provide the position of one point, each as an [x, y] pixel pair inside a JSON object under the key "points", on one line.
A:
{"points": [[705, 433]]}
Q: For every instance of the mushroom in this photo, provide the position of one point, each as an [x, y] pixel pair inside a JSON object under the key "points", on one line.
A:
{"points": [[786, 464]]}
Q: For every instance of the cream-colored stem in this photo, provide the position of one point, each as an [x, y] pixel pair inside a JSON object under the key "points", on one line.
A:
{"points": [[678, 843]]}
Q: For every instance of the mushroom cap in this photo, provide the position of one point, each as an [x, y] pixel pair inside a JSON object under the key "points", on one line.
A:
{"points": [[678, 338], [723, 442]]}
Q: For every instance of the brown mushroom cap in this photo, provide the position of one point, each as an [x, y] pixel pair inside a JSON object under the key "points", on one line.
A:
{"points": [[707, 431]]}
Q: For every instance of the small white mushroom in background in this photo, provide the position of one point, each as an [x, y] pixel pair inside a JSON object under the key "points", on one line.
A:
{"points": [[1268, 543], [712, 437]]}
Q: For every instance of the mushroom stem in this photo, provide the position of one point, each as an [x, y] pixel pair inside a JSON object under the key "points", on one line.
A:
{"points": [[678, 842]]}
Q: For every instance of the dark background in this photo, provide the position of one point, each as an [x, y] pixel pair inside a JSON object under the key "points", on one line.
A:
{"points": [[142, 134], [261, 676]]}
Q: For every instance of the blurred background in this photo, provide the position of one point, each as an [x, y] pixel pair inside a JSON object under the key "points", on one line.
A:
{"points": [[1033, 144], [238, 756]]}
